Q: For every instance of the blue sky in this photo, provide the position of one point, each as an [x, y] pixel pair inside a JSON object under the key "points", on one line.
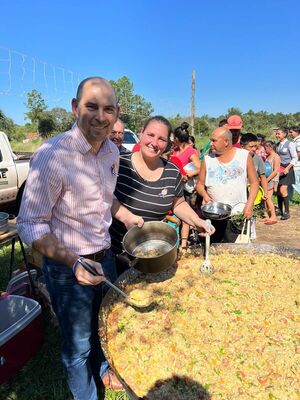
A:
{"points": [[245, 53]]}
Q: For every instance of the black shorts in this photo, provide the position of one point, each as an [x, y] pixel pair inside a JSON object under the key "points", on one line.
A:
{"points": [[288, 179]]}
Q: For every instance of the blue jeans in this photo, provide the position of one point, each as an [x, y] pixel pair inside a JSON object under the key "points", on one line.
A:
{"points": [[77, 307]]}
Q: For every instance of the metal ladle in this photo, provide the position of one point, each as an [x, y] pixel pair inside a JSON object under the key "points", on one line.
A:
{"points": [[127, 298], [206, 267]]}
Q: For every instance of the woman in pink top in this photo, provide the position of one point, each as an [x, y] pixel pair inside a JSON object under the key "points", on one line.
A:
{"points": [[189, 158], [184, 151]]}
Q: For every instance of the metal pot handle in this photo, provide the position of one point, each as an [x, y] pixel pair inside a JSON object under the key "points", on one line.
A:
{"points": [[123, 257]]}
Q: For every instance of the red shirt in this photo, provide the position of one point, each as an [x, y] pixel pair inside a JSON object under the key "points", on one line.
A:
{"points": [[185, 156], [136, 147], [175, 160]]}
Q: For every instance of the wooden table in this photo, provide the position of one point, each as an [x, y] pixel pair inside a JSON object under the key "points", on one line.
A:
{"points": [[11, 236], [12, 233]]}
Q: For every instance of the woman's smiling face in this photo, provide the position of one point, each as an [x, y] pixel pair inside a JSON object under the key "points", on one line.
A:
{"points": [[154, 139], [280, 135]]}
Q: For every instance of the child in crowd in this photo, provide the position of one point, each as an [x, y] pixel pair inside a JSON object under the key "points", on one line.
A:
{"points": [[249, 142], [260, 151]]}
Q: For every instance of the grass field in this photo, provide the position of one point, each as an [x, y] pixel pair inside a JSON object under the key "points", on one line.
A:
{"points": [[26, 147]]}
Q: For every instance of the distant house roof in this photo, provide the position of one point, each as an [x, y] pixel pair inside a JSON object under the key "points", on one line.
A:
{"points": [[32, 135]]}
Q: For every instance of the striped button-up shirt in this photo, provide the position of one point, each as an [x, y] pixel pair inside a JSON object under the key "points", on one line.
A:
{"points": [[69, 193]]}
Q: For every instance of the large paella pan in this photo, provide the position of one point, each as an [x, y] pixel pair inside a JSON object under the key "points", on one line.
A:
{"points": [[233, 334]]}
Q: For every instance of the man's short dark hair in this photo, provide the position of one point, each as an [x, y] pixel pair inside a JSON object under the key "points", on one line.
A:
{"points": [[91, 78], [261, 137], [247, 138]]}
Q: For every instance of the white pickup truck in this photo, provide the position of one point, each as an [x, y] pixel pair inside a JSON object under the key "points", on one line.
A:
{"points": [[13, 173]]}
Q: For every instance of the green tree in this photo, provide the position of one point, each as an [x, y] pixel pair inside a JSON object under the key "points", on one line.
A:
{"points": [[46, 124], [134, 109], [36, 106], [19, 133], [234, 111], [6, 124], [201, 126], [63, 119], [176, 121]]}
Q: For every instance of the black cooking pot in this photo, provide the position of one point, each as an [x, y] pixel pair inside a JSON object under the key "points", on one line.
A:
{"points": [[150, 249]]}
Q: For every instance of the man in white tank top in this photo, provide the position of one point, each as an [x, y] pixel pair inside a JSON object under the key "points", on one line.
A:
{"points": [[224, 175]]}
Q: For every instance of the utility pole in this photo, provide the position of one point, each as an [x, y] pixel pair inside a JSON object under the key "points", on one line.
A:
{"points": [[193, 103]]}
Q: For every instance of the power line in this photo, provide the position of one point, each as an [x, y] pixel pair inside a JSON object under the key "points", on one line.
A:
{"points": [[21, 73]]}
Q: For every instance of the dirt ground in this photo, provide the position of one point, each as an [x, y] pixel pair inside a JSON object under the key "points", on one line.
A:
{"points": [[286, 233]]}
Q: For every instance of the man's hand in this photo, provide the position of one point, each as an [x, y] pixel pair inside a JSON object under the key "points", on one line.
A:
{"points": [[248, 211], [86, 278]]}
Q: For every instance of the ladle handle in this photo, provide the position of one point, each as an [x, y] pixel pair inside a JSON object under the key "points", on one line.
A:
{"points": [[123, 257], [207, 239], [116, 288], [94, 272]]}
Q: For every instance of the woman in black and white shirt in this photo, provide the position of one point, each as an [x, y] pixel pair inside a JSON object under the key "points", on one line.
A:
{"points": [[150, 185]]}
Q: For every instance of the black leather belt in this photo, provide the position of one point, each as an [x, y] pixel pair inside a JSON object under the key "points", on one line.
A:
{"points": [[95, 256]]}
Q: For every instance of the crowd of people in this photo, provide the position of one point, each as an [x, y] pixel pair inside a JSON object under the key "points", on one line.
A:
{"points": [[85, 190]]}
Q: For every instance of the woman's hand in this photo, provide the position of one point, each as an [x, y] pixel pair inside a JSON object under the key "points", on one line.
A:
{"points": [[206, 199], [184, 178], [201, 226], [122, 213], [265, 196], [190, 174], [133, 220]]}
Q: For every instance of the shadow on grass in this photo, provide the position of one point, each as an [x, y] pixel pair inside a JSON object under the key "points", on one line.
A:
{"points": [[178, 387]]}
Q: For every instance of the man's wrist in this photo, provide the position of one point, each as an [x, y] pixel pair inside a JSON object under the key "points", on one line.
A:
{"points": [[75, 265], [71, 260]]}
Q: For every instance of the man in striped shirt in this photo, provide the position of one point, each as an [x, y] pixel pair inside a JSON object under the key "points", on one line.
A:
{"points": [[65, 214]]}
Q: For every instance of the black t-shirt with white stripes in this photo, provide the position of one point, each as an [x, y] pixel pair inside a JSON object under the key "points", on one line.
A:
{"points": [[150, 200]]}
